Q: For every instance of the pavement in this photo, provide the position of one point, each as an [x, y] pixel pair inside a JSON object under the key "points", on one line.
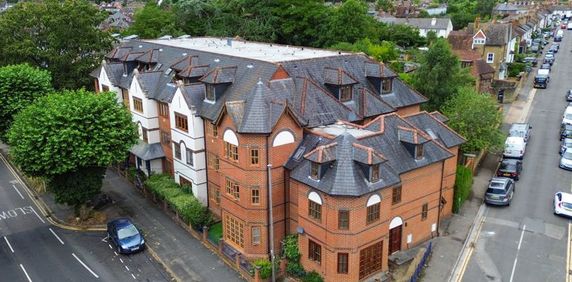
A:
{"points": [[181, 256], [455, 230]]}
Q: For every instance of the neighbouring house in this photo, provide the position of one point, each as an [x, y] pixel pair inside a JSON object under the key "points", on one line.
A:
{"points": [[496, 42], [441, 26], [117, 21], [509, 9], [325, 133], [461, 44], [436, 11]]}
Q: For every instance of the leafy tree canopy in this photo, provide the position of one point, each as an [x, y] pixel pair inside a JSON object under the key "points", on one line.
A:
{"points": [[385, 51], [20, 85], [152, 22], [440, 75], [60, 36], [476, 117], [76, 187], [66, 131], [402, 35]]}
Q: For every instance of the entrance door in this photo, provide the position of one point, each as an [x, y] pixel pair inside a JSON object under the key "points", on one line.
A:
{"points": [[394, 239]]}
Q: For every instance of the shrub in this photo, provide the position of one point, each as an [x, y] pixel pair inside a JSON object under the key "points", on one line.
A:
{"points": [[463, 184], [290, 248], [312, 276], [295, 269], [514, 69], [183, 202], [265, 267]]}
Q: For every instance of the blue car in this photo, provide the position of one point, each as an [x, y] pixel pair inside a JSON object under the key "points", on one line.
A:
{"points": [[125, 236]]}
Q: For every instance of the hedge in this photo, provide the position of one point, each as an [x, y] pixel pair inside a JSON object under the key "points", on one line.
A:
{"points": [[265, 267], [181, 200], [463, 185]]}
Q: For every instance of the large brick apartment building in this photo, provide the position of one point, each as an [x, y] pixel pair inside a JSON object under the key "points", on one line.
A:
{"points": [[356, 169]]}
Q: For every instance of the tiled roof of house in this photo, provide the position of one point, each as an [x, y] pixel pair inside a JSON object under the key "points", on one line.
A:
{"points": [[506, 7], [306, 91], [498, 34], [481, 67], [347, 151]]}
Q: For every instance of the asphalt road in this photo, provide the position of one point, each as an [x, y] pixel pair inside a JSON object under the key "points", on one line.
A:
{"points": [[525, 241], [33, 250]]}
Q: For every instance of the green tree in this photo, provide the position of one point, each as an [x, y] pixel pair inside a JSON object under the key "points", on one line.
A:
{"points": [[301, 22], [484, 8], [153, 21], [348, 23], [476, 117], [440, 75], [63, 134], [61, 36], [402, 35], [385, 5], [20, 86], [384, 52]]}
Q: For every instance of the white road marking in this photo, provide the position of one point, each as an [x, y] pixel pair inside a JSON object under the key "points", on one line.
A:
{"points": [[110, 246], [41, 219], [126, 267], [121, 260], [84, 265], [7, 242], [57, 237], [18, 191], [115, 253], [517, 251], [25, 272], [132, 275]]}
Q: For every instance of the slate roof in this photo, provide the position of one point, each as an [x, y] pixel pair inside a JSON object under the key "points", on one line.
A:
{"points": [[421, 23], [435, 128], [338, 77], [347, 156], [304, 93], [148, 152], [498, 34], [506, 7]]}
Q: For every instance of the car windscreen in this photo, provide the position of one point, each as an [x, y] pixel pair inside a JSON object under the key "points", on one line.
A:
{"points": [[127, 231], [508, 166], [567, 205], [495, 191], [517, 133], [567, 142], [568, 116], [567, 155]]}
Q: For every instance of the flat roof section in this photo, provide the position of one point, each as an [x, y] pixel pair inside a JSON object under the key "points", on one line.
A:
{"points": [[272, 53]]}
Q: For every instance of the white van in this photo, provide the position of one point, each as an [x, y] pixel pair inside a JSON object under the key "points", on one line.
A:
{"points": [[569, 26], [514, 147], [560, 33]]}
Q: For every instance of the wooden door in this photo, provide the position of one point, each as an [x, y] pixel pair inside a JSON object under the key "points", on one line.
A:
{"points": [[395, 239]]}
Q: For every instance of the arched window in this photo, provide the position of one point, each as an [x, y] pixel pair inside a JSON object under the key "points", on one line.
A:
{"points": [[230, 145], [314, 206], [373, 208], [283, 138]]}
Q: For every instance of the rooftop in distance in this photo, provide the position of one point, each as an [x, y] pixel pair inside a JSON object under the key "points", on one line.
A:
{"points": [[272, 53]]}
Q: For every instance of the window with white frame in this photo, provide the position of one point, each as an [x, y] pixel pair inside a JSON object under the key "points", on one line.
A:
{"points": [[478, 41], [490, 58]]}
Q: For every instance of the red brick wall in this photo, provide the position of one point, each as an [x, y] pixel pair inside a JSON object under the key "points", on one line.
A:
{"points": [[408, 110], [418, 187], [248, 176], [449, 177]]}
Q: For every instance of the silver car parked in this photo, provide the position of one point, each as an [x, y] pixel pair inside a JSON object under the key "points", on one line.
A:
{"points": [[500, 191]]}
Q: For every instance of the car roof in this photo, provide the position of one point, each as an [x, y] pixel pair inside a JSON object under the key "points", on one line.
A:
{"points": [[514, 140], [500, 179], [566, 197]]}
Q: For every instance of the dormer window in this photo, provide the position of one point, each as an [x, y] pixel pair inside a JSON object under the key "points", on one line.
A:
{"points": [[374, 173], [418, 151], [386, 85], [210, 93], [345, 93], [478, 41], [315, 171]]}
